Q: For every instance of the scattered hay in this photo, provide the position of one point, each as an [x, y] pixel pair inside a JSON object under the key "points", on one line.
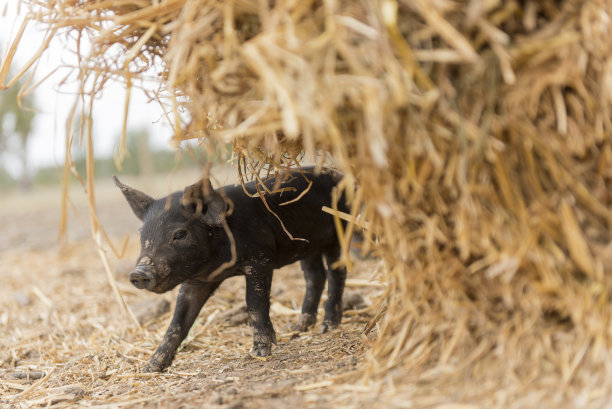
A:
{"points": [[71, 347], [477, 134]]}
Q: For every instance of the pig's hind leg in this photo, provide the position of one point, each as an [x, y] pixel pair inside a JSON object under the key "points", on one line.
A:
{"points": [[336, 277], [314, 273], [258, 283]]}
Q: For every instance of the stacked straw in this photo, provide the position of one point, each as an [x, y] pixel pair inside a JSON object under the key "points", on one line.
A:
{"points": [[477, 134]]}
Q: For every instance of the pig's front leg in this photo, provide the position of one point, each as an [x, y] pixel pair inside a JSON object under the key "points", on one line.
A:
{"points": [[189, 302], [258, 283]]}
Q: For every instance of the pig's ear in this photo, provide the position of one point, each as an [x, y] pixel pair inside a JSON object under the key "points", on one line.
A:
{"points": [[139, 202], [201, 198]]}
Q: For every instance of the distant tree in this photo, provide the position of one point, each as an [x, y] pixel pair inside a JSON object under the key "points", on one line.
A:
{"points": [[139, 159], [15, 128]]}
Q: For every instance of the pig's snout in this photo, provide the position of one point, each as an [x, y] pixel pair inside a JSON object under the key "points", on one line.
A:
{"points": [[141, 278]]}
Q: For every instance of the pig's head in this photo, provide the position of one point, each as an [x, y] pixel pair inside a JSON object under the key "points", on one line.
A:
{"points": [[176, 234]]}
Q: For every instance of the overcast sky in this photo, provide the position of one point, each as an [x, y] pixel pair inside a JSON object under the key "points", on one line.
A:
{"points": [[53, 102]]}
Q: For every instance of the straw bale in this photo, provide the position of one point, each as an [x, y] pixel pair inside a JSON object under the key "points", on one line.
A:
{"points": [[477, 135]]}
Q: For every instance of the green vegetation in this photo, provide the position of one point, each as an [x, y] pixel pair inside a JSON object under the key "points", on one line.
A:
{"points": [[16, 117], [141, 159], [163, 162]]}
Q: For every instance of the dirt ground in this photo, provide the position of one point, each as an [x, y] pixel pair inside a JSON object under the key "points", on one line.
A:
{"points": [[61, 326]]}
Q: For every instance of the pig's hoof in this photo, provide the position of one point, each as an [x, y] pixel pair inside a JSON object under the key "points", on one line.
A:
{"points": [[261, 349], [151, 367], [155, 365], [327, 325], [306, 321]]}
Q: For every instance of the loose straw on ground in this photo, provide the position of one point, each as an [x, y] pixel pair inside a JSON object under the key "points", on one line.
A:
{"points": [[478, 132]]}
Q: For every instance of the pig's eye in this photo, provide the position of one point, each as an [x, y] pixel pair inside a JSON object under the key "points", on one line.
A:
{"points": [[179, 235]]}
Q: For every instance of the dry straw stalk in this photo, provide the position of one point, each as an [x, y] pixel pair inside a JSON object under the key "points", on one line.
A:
{"points": [[478, 134]]}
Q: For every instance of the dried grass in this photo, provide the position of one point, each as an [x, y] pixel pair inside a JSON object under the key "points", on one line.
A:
{"points": [[63, 342], [478, 137]]}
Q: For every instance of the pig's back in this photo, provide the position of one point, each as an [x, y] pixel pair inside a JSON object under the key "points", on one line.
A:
{"points": [[257, 228]]}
